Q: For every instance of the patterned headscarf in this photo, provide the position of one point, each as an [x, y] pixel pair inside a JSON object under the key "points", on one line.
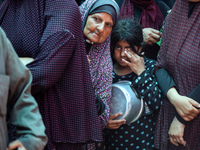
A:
{"points": [[100, 63], [151, 16]]}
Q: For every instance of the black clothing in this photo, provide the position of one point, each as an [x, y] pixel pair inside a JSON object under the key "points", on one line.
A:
{"points": [[139, 134], [191, 8], [169, 3]]}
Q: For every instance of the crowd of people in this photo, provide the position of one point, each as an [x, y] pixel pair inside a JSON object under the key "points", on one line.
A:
{"points": [[59, 59]]}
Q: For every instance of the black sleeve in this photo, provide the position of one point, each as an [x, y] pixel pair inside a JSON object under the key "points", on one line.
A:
{"points": [[100, 105], [165, 81]]}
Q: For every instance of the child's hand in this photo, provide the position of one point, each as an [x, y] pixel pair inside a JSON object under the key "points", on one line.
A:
{"points": [[136, 64], [115, 124]]}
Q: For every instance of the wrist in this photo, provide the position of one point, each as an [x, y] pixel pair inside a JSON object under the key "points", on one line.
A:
{"points": [[172, 95], [139, 72]]}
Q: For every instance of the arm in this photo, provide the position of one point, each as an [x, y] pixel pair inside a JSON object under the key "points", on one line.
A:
{"points": [[23, 111], [167, 85], [147, 86], [184, 105], [56, 47]]}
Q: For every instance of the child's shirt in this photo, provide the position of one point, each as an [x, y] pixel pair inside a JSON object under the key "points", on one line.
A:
{"points": [[139, 134]]}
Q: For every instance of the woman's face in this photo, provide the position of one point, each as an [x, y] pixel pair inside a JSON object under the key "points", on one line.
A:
{"points": [[98, 27], [119, 51]]}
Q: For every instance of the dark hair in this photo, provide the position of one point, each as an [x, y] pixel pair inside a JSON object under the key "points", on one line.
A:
{"points": [[128, 30]]}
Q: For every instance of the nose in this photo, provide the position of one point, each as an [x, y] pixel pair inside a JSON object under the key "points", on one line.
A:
{"points": [[100, 27], [123, 52]]}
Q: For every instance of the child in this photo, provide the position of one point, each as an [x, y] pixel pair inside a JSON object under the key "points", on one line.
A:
{"points": [[129, 64]]}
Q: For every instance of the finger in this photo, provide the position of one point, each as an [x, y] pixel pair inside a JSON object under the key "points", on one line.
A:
{"points": [[118, 122], [130, 55], [182, 141], [156, 36], [188, 118], [194, 103], [154, 40], [173, 142], [126, 62], [115, 116], [156, 32], [115, 125]]}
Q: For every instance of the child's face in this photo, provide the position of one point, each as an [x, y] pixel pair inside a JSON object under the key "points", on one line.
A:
{"points": [[119, 52]]}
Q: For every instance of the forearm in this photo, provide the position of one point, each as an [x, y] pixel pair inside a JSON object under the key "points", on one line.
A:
{"points": [[147, 87], [165, 81]]}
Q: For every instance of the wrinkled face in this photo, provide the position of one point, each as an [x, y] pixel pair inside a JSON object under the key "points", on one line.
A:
{"points": [[98, 27], [194, 0], [119, 52]]}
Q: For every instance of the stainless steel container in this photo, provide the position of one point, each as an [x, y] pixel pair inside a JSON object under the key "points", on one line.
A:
{"points": [[125, 100]]}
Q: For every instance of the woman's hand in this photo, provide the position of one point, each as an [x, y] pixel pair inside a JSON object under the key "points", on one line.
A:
{"points": [[115, 124], [16, 144], [136, 64], [176, 132], [183, 104], [151, 35], [26, 60]]}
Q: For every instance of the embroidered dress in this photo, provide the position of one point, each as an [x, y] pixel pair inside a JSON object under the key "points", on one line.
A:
{"points": [[139, 134]]}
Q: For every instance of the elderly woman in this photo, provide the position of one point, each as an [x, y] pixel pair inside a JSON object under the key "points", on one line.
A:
{"points": [[98, 19]]}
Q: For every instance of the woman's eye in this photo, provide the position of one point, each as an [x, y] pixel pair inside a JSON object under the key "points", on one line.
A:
{"points": [[108, 25], [96, 19]]}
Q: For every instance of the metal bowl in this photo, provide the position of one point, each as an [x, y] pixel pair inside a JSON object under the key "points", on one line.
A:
{"points": [[126, 100]]}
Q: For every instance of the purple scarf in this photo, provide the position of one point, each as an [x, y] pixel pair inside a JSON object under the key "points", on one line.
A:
{"points": [[151, 15]]}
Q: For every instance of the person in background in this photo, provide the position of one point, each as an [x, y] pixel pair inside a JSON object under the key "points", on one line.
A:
{"points": [[129, 64], [98, 19], [150, 15], [180, 57], [169, 3], [16, 102], [51, 33]]}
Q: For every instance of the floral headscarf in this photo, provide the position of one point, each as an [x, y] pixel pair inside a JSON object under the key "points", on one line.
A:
{"points": [[100, 64]]}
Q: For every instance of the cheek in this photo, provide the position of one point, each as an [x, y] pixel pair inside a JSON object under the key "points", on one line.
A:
{"points": [[105, 35], [117, 55]]}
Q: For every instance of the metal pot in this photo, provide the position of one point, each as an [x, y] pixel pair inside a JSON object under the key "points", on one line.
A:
{"points": [[126, 100]]}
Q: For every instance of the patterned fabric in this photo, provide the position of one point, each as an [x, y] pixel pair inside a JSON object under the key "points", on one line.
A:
{"points": [[151, 16], [139, 134], [180, 56], [100, 67], [50, 32]]}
